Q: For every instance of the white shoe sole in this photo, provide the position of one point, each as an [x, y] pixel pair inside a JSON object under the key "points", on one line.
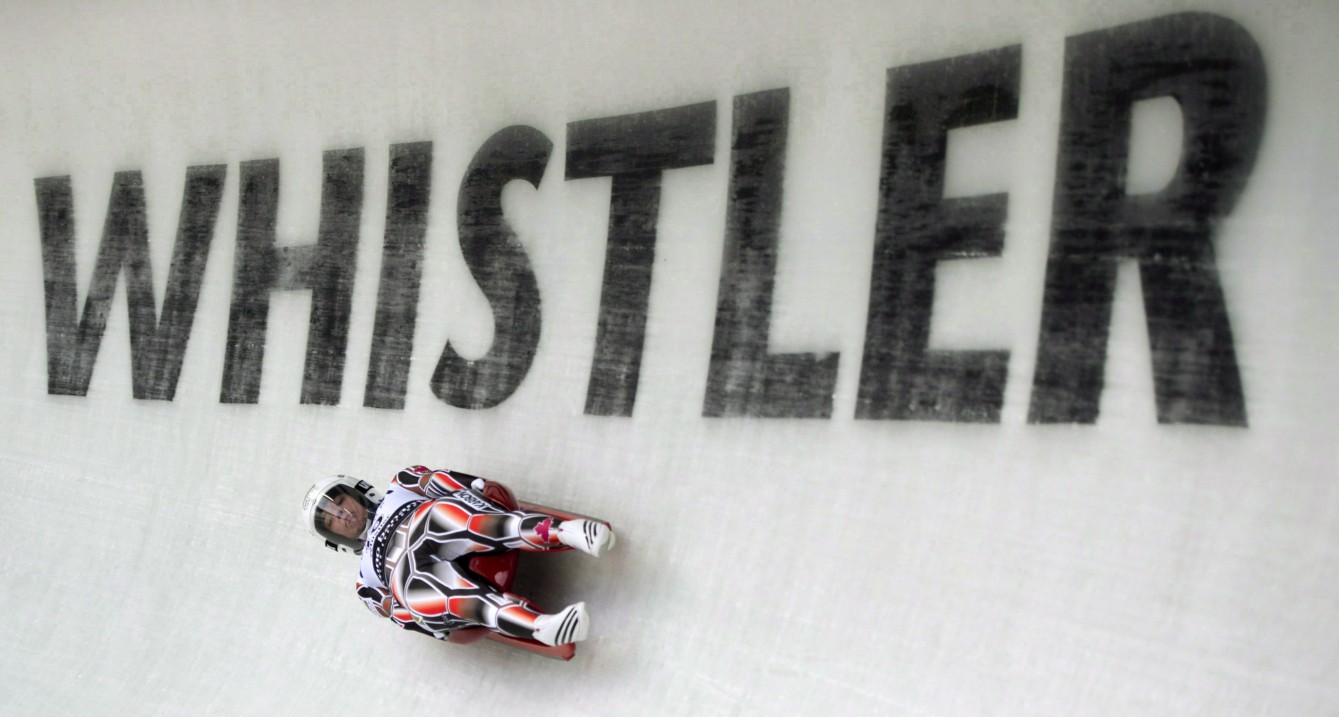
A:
{"points": [[587, 536], [570, 625]]}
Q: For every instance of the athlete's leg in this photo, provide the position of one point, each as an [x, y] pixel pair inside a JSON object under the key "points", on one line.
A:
{"points": [[537, 532], [477, 601], [477, 528], [531, 532]]}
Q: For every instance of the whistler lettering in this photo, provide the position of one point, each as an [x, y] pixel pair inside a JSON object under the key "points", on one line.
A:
{"points": [[1209, 65]]}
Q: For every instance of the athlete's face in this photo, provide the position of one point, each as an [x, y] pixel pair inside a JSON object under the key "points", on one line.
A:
{"points": [[348, 518]]}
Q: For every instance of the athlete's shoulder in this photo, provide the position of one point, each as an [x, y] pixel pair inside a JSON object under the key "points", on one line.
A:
{"points": [[414, 478]]}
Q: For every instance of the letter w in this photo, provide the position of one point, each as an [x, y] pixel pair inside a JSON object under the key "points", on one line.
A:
{"points": [[157, 346]]}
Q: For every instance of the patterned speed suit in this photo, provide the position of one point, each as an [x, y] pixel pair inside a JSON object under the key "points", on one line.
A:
{"points": [[413, 567]]}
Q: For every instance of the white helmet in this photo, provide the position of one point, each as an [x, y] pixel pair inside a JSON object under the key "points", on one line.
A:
{"points": [[331, 512]]}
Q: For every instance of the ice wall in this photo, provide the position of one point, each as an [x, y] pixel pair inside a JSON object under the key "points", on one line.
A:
{"points": [[932, 488]]}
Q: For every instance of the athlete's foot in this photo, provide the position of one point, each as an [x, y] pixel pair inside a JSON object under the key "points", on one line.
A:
{"points": [[570, 625], [588, 536]]}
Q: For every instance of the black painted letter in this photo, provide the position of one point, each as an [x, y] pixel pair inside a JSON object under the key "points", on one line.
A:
{"points": [[326, 268], [401, 273], [499, 263], [157, 345], [744, 379], [1212, 67], [634, 150], [900, 376]]}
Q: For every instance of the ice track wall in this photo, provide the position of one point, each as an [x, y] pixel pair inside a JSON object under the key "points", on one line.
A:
{"points": [[965, 360]]}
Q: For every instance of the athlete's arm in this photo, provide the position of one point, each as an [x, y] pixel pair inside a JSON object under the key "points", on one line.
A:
{"points": [[431, 483]]}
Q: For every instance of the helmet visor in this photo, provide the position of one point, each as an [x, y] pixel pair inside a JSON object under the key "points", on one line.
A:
{"points": [[341, 517]]}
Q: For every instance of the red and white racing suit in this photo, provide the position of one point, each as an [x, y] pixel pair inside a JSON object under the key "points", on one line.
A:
{"points": [[413, 561]]}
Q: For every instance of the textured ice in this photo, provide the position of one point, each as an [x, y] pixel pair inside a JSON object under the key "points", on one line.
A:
{"points": [[154, 562]]}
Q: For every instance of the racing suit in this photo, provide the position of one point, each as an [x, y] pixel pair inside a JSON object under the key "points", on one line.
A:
{"points": [[413, 564]]}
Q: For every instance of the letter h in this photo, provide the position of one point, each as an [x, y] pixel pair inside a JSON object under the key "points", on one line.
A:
{"points": [[327, 268]]}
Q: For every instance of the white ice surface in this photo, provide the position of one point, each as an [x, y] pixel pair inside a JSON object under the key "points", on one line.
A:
{"points": [[154, 563]]}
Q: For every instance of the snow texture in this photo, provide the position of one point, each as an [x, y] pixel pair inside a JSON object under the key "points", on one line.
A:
{"points": [[805, 565]]}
